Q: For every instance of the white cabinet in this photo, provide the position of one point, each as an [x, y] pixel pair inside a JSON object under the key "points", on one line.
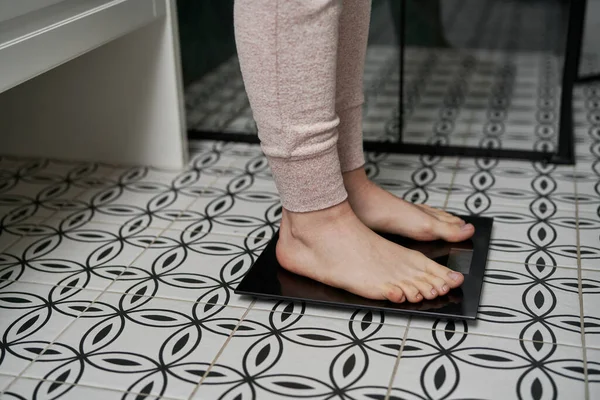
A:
{"points": [[91, 79], [13, 8]]}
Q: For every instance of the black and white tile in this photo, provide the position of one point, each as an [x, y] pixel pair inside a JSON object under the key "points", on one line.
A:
{"points": [[418, 179], [109, 342], [193, 265], [537, 235], [589, 240], [331, 312], [438, 364], [33, 315], [27, 388], [33, 190], [525, 302], [590, 287], [145, 284], [75, 253], [482, 183], [594, 373], [155, 293], [275, 355]]}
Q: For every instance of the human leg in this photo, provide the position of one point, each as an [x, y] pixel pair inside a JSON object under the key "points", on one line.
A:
{"points": [[288, 55]]}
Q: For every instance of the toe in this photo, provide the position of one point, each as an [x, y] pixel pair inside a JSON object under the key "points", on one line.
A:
{"points": [[394, 294], [452, 278], [412, 294], [456, 278], [426, 289], [438, 283], [451, 219], [453, 232], [441, 215]]}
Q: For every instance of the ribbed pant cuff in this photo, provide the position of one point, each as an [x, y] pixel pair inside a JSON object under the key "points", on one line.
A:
{"points": [[309, 184]]}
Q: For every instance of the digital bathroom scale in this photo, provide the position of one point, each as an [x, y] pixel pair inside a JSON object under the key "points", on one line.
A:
{"points": [[267, 279]]}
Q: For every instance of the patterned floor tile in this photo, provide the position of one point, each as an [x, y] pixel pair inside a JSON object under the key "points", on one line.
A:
{"points": [[528, 302], [192, 265], [584, 153], [593, 357], [539, 234], [234, 205], [418, 179], [273, 355], [5, 380], [589, 240], [74, 253], [26, 388], [317, 310], [109, 345], [12, 231], [39, 187], [35, 191], [514, 183], [590, 286], [141, 196], [145, 196], [32, 316], [588, 185], [439, 364], [252, 162]]}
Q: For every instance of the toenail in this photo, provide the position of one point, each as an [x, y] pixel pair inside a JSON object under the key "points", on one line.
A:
{"points": [[454, 275], [445, 288], [433, 292], [467, 227]]}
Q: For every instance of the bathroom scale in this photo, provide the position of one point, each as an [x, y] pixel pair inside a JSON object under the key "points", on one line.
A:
{"points": [[267, 279]]}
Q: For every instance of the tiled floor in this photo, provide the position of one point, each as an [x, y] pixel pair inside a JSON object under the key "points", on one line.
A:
{"points": [[118, 283]]}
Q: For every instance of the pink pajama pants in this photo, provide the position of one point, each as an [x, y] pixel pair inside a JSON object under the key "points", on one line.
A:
{"points": [[302, 62]]}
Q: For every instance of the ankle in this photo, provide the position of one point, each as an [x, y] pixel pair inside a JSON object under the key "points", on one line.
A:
{"points": [[302, 225], [356, 181]]}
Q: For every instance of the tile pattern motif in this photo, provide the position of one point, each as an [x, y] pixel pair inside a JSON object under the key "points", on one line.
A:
{"points": [[64, 335], [117, 282]]}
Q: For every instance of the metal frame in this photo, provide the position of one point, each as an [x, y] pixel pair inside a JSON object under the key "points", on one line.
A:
{"points": [[564, 154]]}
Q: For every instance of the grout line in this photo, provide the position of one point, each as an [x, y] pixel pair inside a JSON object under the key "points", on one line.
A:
{"points": [[533, 264], [457, 165], [395, 369], [489, 335], [108, 291], [515, 204], [449, 192], [74, 319], [212, 363], [580, 290]]}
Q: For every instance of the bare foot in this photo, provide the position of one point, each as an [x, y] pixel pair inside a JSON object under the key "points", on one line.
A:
{"points": [[334, 247], [384, 212]]}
